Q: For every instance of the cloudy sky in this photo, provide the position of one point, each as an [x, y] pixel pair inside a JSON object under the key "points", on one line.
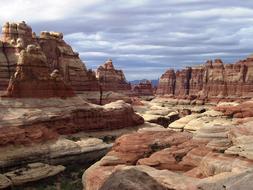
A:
{"points": [[143, 37]]}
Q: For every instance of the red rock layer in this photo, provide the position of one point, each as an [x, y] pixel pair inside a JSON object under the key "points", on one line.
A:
{"points": [[61, 56], [242, 110], [167, 83], [69, 120], [32, 78], [18, 135], [212, 81], [112, 79], [144, 88]]}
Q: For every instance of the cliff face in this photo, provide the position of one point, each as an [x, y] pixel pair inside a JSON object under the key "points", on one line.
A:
{"points": [[167, 83], [110, 78], [212, 81], [59, 55]]}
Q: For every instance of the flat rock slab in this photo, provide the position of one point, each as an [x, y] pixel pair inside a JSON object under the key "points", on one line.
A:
{"points": [[4, 182], [33, 172], [62, 148]]}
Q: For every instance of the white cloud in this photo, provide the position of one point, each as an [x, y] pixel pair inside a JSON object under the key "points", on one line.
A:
{"points": [[46, 10], [143, 34], [230, 12]]}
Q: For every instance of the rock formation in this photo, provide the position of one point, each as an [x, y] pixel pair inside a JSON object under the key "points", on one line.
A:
{"points": [[212, 158], [242, 110], [53, 117], [112, 79], [213, 81], [144, 88], [131, 179], [33, 80], [33, 172], [59, 55], [167, 83]]}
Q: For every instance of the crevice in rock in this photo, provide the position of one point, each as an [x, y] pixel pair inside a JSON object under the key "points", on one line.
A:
{"points": [[7, 59]]}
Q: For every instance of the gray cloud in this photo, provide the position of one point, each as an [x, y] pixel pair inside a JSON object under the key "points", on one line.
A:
{"points": [[144, 37]]}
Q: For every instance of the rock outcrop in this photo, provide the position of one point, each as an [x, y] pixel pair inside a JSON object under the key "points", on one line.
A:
{"points": [[32, 78], [59, 55], [242, 110], [112, 79], [33, 172], [167, 83], [131, 179], [179, 160], [213, 81], [144, 88], [37, 120]]}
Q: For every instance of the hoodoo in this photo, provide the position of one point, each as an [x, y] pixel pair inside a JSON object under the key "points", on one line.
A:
{"points": [[112, 79]]}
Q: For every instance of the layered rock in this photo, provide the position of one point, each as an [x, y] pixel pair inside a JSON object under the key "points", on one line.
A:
{"points": [[33, 80], [33, 172], [242, 110], [144, 88], [112, 79], [178, 161], [59, 55], [36, 120], [131, 179], [167, 83], [60, 151], [213, 81]]}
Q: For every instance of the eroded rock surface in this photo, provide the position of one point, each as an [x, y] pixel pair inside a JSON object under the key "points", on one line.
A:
{"points": [[213, 156], [242, 110], [33, 172], [32, 78], [35, 120], [131, 179], [213, 81], [144, 88], [58, 54], [112, 79]]}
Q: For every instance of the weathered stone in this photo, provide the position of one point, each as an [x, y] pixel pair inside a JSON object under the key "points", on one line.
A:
{"points": [[112, 79], [4, 182], [33, 172], [32, 78], [36, 120], [213, 81], [131, 179], [144, 88]]}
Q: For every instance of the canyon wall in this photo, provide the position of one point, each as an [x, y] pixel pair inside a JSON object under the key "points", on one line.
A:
{"points": [[211, 81]]}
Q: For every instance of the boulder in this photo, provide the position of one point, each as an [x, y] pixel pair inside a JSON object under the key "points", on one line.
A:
{"points": [[131, 179]]}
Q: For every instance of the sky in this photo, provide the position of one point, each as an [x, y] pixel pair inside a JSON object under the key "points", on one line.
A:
{"points": [[144, 38]]}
